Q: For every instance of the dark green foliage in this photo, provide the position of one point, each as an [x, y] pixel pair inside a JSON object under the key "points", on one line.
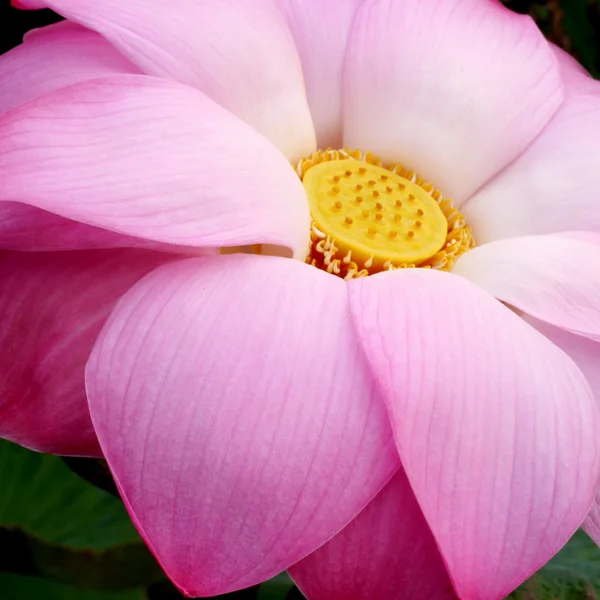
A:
{"points": [[53, 523], [16, 587]]}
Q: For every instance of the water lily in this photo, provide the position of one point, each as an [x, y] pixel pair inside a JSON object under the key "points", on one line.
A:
{"points": [[384, 376]]}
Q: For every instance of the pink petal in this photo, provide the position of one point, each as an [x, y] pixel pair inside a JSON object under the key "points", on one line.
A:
{"points": [[454, 89], [575, 78], [53, 57], [554, 278], [238, 416], [387, 552], [53, 306], [239, 52], [26, 228], [321, 30], [591, 525], [586, 353], [495, 426], [153, 159], [50, 58], [553, 186]]}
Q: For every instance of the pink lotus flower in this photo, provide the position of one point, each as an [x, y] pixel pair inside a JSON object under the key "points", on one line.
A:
{"points": [[412, 434]]}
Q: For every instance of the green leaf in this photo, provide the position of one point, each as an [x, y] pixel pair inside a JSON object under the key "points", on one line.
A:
{"points": [[65, 528], [573, 574], [94, 471], [16, 587], [276, 588]]}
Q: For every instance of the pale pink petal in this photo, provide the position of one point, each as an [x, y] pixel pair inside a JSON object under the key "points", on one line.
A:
{"points": [[553, 186], [575, 78], [53, 57], [154, 159], [321, 30], [50, 58], [53, 306], [26, 228], [239, 52], [586, 353], [454, 89], [554, 278], [496, 427], [387, 552], [238, 416], [591, 525]]}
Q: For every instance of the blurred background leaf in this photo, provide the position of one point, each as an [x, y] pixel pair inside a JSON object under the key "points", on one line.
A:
{"points": [[573, 574], [53, 523], [17, 587], [277, 588]]}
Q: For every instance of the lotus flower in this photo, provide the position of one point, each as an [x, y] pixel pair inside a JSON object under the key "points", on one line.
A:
{"points": [[382, 373]]}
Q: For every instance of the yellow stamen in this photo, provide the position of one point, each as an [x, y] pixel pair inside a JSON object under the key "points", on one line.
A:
{"points": [[403, 222]]}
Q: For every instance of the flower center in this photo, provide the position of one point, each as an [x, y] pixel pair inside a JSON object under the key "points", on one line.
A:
{"points": [[367, 218]]}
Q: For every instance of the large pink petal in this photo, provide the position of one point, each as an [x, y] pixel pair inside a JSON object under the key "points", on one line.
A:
{"points": [[53, 57], [454, 89], [26, 228], [239, 52], [155, 159], [238, 416], [496, 427], [321, 31], [53, 306], [553, 186], [586, 353], [554, 278], [387, 552], [50, 58]]}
